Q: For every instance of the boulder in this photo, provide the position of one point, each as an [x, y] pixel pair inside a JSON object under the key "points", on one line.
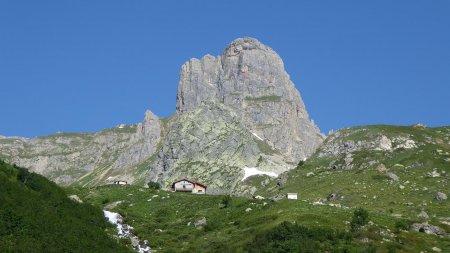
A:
{"points": [[423, 215], [427, 229], [436, 249], [278, 197], [134, 242], [282, 179], [381, 168], [200, 223], [440, 196], [392, 176], [434, 173], [75, 198], [333, 197]]}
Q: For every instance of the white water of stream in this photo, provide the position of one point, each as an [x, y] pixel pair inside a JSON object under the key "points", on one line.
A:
{"points": [[126, 231]]}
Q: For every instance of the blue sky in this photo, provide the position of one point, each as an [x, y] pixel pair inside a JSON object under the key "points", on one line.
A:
{"points": [[82, 66]]}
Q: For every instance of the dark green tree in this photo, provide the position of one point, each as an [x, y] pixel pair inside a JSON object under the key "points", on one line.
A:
{"points": [[226, 201], [360, 218], [154, 185]]}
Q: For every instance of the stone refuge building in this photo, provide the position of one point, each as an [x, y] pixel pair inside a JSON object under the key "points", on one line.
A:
{"points": [[188, 185]]}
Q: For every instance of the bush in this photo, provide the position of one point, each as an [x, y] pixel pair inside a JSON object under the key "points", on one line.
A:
{"points": [[391, 248], [226, 201], [154, 185], [370, 249], [288, 237], [300, 164], [401, 225], [360, 218]]}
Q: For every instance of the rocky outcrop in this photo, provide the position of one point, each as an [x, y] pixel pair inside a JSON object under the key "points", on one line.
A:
{"points": [[87, 158], [211, 145], [344, 148], [249, 77], [428, 229]]}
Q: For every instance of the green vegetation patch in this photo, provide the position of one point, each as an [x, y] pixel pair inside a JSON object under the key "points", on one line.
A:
{"points": [[185, 222], [265, 148], [37, 216], [289, 237]]}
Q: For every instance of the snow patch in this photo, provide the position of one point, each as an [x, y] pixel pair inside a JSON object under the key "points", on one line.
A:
{"points": [[255, 171], [257, 136]]}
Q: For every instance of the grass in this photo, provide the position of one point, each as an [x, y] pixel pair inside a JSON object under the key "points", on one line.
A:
{"points": [[126, 129], [37, 216], [265, 148], [167, 220]]}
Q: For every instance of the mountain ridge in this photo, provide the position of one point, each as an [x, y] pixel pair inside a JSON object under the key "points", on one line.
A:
{"points": [[246, 84]]}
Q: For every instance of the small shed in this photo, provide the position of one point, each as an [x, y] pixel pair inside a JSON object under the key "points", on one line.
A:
{"points": [[189, 185], [121, 182], [292, 195]]}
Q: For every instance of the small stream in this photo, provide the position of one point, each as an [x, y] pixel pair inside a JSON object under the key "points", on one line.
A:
{"points": [[126, 231]]}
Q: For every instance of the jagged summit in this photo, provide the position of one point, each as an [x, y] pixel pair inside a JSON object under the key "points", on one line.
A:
{"points": [[250, 77], [247, 43]]}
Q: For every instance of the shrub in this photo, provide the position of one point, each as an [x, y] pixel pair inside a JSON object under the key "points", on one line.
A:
{"points": [[154, 185], [370, 249], [360, 218], [288, 237], [226, 201], [391, 248], [401, 225], [300, 164]]}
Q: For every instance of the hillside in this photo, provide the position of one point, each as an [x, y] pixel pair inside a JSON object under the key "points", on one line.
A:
{"points": [[88, 158], [387, 168], [37, 216], [184, 222], [400, 175]]}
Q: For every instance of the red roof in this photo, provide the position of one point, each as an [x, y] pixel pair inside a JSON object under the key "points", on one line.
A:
{"points": [[189, 180]]}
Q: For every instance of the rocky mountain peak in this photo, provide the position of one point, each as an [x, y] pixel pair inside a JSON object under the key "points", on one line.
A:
{"points": [[243, 44], [250, 78], [150, 116]]}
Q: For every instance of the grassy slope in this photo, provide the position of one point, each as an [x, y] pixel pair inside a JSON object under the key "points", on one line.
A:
{"points": [[164, 219], [365, 185], [232, 228], [37, 216]]}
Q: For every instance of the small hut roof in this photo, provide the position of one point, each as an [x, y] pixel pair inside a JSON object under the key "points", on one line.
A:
{"points": [[189, 180]]}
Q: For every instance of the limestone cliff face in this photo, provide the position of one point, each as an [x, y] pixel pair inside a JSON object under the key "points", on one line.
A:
{"points": [[250, 78], [87, 158], [235, 112]]}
